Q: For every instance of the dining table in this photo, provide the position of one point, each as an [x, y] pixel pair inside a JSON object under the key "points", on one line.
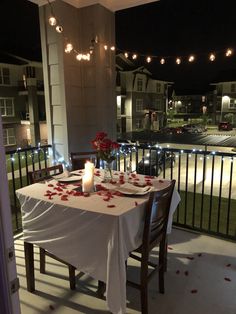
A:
{"points": [[94, 232]]}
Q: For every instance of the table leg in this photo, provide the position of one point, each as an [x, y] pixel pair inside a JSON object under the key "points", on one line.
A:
{"points": [[29, 266]]}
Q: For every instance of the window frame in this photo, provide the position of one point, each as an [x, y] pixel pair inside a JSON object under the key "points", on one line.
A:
{"points": [[4, 77], [139, 86], [139, 102], [5, 106], [7, 136]]}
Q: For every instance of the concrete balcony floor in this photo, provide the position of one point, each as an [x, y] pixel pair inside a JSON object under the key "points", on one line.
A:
{"points": [[201, 278]]}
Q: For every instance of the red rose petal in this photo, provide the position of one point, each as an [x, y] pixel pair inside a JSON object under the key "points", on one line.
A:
{"points": [[177, 272], [194, 291], [110, 206], [227, 279], [228, 265], [86, 194], [136, 203], [51, 307], [200, 254], [186, 273], [170, 248], [50, 185]]}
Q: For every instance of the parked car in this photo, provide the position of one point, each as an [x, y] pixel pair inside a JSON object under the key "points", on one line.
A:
{"points": [[192, 128], [225, 126], [171, 130], [154, 164]]}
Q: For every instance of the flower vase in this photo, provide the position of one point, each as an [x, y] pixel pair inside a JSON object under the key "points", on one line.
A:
{"points": [[107, 172]]}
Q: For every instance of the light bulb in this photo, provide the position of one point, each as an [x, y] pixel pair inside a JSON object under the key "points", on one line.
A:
{"points": [[149, 59], [79, 56], [126, 54], [162, 61], [52, 21], [178, 60], [191, 58], [134, 56], [112, 48], [59, 29], [229, 52], [69, 48], [105, 47], [212, 57]]}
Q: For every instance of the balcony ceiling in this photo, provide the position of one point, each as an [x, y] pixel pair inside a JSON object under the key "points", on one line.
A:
{"points": [[113, 5]]}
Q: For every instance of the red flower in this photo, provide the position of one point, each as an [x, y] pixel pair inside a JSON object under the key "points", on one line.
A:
{"points": [[100, 135]]}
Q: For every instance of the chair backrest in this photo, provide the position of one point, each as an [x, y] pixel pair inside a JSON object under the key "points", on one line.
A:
{"points": [[156, 216], [78, 159], [45, 173]]}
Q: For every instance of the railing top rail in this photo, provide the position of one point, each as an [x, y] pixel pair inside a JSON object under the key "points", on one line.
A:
{"points": [[11, 152]]}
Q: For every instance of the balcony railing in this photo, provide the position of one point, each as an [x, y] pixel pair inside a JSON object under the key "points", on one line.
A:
{"points": [[206, 182]]}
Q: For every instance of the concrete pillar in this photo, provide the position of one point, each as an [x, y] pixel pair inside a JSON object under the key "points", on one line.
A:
{"points": [[80, 95], [33, 111]]}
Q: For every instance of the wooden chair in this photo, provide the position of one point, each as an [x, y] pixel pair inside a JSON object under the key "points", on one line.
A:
{"points": [[154, 234], [44, 174], [34, 177], [78, 159]]}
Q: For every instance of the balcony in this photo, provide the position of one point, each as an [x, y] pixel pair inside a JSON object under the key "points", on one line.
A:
{"points": [[200, 278]]}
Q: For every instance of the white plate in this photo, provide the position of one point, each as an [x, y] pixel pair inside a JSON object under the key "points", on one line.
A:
{"points": [[129, 189], [70, 179]]}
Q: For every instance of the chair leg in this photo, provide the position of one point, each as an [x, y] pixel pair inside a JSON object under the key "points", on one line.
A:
{"points": [[72, 277], [165, 256], [144, 286], [162, 265], [101, 289], [29, 266], [42, 256]]}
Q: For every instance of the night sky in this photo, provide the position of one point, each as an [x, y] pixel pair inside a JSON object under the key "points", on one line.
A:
{"points": [[165, 28], [179, 28]]}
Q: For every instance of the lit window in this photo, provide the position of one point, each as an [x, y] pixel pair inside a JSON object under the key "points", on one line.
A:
{"points": [[139, 105], [4, 76], [7, 107], [9, 137], [139, 85], [232, 104]]}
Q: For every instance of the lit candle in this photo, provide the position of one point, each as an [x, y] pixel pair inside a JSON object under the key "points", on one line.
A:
{"points": [[88, 177]]}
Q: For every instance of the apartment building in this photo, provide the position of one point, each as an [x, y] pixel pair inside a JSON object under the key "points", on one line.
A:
{"points": [[141, 99], [22, 104]]}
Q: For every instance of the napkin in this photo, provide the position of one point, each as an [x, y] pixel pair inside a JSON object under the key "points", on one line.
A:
{"points": [[128, 188]]}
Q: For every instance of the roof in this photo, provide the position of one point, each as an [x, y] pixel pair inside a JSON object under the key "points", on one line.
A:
{"points": [[8, 58]]}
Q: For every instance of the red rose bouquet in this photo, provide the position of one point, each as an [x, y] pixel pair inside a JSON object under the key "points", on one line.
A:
{"points": [[105, 147]]}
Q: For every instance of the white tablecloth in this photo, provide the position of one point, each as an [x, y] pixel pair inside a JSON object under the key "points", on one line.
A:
{"points": [[87, 233]]}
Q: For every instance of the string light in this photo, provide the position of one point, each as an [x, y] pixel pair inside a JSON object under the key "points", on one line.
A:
{"points": [[178, 60], [212, 57], [105, 47], [229, 52], [126, 54], [134, 56], [191, 58], [59, 29], [113, 48], [69, 48], [149, 59], [52, 21], [162, 61]]}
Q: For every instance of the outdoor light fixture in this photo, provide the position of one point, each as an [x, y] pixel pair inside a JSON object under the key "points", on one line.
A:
{"points": [[149, 59], [178, 60], [69, 48], [52, 21], [59, 29], [134, 56], [212, 57], [162, 61], [229, 52], [126, 54], [191, 58]]}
